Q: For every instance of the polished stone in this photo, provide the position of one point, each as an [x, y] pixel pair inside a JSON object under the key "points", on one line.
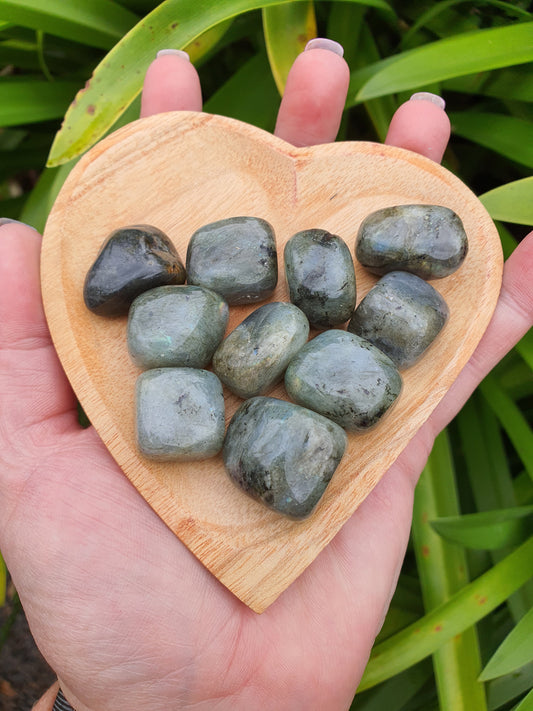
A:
{"points": [[426, 240], [180, 414], [345, 378], [131, 261], [235, 257], [282, 455], [401, 315], [320, 276], [173, 326], [253, 357]]}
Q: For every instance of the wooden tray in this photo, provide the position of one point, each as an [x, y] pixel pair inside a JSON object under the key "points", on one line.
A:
{"points": [[179, 171]]}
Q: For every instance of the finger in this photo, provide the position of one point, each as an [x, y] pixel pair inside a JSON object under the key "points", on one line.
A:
{"points": [[311, 109], [512, 318], [171, 84], [33, 386], [421, 125]]}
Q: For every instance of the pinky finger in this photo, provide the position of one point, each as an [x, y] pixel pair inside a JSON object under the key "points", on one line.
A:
{"points": [[421, 125]]}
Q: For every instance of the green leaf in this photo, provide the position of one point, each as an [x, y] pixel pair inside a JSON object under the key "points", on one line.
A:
{"points": [[526, 704], [487, 530], [512, 420], [395, 693], [287, 29], [440, 7], [506, 688], [452, 57], [42, 197], [510, 136], [515, 83], [24, 102], [512, 202], [465, 608], [442, 569], [514, 652], [98, 23], [118, 78], [254, 79]]}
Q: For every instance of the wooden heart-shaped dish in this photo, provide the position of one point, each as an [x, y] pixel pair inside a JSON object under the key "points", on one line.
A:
{"points": [[179, 171]]}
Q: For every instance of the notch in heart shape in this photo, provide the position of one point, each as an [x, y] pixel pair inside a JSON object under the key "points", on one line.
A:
{"points": [[179, 171]]}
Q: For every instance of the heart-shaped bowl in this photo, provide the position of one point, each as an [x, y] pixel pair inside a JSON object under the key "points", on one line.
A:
{"points": [[179, 171]]}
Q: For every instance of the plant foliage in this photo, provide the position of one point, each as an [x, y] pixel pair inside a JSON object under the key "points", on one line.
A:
{"points": [[459, 631]]}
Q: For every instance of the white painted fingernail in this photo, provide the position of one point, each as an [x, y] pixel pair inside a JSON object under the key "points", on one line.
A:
{"points": [[8, 220], [323, 43], [176, 52], [428, 96]]}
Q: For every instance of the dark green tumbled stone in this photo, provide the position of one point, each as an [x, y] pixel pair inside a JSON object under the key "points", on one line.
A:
{"points": [[401, 315], [176, 326], [254, 356], [321, 278], [235, 257], [131, 261], [345, 378], [282, 455], [180, 414], [426, 240]]}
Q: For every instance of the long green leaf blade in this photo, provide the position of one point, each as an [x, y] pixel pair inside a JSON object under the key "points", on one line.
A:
{"points": [[453, 57], [510, 136], [118, 78], [488, 530], [23, 102], [255, 80], [287, 29], [512, 202], [526, 704], [99, 23], [465, 608], [515, 651], [511, 419], [442, 568]]}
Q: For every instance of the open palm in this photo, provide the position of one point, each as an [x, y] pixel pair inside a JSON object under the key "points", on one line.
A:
{"points": [[123, 612]]}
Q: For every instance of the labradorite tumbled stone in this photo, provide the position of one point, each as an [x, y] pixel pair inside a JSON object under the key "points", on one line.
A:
{"points": [[320, 276], [131, 260], [235, 257], [282, 455], [255, 354], [180, 414], [345, 378], [176, 326], [401, 315], [426, 240]]}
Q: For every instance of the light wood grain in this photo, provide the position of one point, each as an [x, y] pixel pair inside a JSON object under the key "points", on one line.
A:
{"points": [[180, 171]]}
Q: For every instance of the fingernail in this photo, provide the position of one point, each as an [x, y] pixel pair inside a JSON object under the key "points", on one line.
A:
{"points": [[176, 52], [323, 43], [7, 220], [428, 96]]}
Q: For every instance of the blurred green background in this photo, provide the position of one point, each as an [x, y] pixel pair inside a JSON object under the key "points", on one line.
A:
{"points": [[459, 633]]}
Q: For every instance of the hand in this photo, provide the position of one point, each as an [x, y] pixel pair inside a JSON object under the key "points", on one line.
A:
{"points": [[122, 611]]}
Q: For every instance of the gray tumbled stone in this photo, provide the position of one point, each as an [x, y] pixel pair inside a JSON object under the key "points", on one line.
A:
{"points": [[401, 315], [345, 378], [235, 257], [253, 357], [282, 455], [132, 260], [426, 240], [180, 414], [320, 276], [173, 326]]}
